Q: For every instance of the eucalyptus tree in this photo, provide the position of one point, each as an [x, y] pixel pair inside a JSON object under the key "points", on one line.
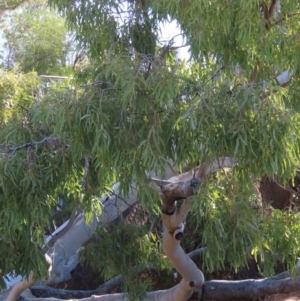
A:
{"points": [[224, 120]]}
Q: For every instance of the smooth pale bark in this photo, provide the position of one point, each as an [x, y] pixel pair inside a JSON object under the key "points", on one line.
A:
{"points": [[64, 252], [192, 278], [19, 288]]}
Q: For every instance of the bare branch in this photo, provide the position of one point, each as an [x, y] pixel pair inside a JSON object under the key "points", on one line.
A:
{"points": [[24, 108], [201, 172], [266, 15]]}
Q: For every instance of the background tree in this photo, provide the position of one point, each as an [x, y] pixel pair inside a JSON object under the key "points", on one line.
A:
{"points": [[37, 40], [137, 110], [9, 5], [17, 93]]}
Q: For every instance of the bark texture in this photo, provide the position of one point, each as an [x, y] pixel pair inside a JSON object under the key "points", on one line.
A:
{"points": [[229, 290]]}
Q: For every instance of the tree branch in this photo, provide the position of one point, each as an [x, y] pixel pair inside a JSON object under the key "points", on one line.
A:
{"points": [[215, 289], [284, 18], [266, 15], [229, 290], [185, 185], [172, 192], [254, 73], [7, 149], [19, 288], [49, 292], [105, 288], [272, 7], [192, 283], [200, 172]]}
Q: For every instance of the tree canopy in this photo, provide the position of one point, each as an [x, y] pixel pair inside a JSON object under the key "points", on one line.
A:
{"points": [[135, 108]]}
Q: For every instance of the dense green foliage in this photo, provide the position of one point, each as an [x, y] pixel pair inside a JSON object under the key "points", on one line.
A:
{"points": [[135, 106]]}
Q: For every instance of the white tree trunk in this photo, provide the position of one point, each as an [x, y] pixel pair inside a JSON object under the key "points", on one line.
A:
{"points": [[64, 252]]}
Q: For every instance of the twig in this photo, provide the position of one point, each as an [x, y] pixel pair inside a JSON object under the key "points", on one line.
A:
{"points": [[214, 75], [284, 18], [24, 108], [118, 197]]}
